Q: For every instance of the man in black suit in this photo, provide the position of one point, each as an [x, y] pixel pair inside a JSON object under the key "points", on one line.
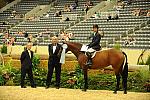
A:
{"points": [[55, 50], [95, 44], [26, 65]]}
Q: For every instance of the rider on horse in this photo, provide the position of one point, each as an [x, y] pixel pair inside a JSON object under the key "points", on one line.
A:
{"points": [[94, 45]]}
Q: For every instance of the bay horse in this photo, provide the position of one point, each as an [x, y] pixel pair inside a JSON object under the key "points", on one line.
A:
{"points": [[116, 58]]}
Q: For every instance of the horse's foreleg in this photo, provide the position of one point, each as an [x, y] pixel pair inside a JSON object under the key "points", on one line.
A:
{"points": [[85, 79], [118, 83]]}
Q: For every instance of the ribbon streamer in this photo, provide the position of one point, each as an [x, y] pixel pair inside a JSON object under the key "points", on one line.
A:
{"points": [[62, 58]]}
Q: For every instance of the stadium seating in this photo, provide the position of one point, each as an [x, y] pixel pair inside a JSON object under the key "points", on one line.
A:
{"points": [[116, 31], [21, 8], [52, 23]]}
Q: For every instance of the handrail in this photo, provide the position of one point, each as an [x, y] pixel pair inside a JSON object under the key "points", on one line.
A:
{"points": [[140, 57], [102, 6], [40, 10]]}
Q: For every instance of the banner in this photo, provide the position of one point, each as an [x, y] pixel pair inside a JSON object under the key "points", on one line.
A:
{"points": [[62, 58]]}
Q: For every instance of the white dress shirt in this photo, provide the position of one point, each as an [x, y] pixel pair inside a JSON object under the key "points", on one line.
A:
{"points": [[54, 48], [29, 53]]}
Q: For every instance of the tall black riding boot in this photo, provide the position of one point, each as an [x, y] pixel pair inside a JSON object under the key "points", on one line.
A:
{"points": [[89, 62]]}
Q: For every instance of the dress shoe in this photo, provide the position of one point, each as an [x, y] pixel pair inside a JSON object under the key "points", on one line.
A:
{"points": [[33, 86], [23, 87], [57, 87], [46, 87]]}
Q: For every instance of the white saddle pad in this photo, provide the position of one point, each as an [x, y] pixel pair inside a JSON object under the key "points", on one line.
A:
{"points": [[84, 48]]}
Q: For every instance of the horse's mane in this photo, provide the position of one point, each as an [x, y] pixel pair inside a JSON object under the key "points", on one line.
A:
{"points": [[74, 44], [74, 47]]}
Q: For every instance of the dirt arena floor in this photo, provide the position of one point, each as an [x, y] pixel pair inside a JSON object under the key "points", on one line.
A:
{"points": [[40, 93]]}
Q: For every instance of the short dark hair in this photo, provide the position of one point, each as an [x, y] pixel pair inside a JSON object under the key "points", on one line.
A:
{"points": [[95, 26]]}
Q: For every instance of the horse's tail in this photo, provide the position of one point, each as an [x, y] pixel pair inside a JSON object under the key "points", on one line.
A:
{"points": [[125, 66]]}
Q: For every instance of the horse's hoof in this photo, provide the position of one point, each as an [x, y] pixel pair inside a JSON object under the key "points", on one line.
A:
{"points": [[115, 92], [84, 90]]}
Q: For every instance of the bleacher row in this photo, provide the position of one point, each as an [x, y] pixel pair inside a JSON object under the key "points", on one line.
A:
{"points": [[21, 9], [112, 29], [52, 23]]}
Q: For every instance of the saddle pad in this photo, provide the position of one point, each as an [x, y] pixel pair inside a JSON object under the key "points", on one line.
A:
{"points": [[94, 53]]}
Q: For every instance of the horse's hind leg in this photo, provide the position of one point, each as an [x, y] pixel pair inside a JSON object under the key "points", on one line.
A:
{"points": [[125, 75], [124, 84], [124, 78], [118, 83]]}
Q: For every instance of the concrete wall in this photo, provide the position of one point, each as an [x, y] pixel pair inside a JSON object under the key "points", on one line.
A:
{"points": [[70, 65], [132, 54]]}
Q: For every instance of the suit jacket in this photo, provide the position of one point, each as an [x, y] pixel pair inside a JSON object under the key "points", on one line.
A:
{"points": [[54, 57], [26, 61], [95, 44]]}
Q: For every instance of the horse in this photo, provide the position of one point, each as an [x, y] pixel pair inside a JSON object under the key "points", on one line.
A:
{"points": [[116, 58]]}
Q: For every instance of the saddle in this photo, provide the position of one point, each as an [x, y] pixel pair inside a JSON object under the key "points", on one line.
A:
{"points": [[85, 49], [94, 52]]}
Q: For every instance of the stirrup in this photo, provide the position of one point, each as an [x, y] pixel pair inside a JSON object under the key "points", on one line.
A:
{"points": [[88, 64]]}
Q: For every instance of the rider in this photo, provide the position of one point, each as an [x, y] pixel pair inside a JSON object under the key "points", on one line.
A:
{"points": [[94, 45]]}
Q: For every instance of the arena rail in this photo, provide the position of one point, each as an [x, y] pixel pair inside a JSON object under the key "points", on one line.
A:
{"points": [[133, 67]]}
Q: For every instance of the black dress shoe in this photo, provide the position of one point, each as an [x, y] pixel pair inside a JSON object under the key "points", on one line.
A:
{"points": [[33, 86], [57, 87], [23, 87], [46, 87]]}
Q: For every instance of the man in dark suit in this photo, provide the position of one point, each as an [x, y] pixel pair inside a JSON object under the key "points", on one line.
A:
{"points": [[26, 65], [95, 44], [55, 50]]}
